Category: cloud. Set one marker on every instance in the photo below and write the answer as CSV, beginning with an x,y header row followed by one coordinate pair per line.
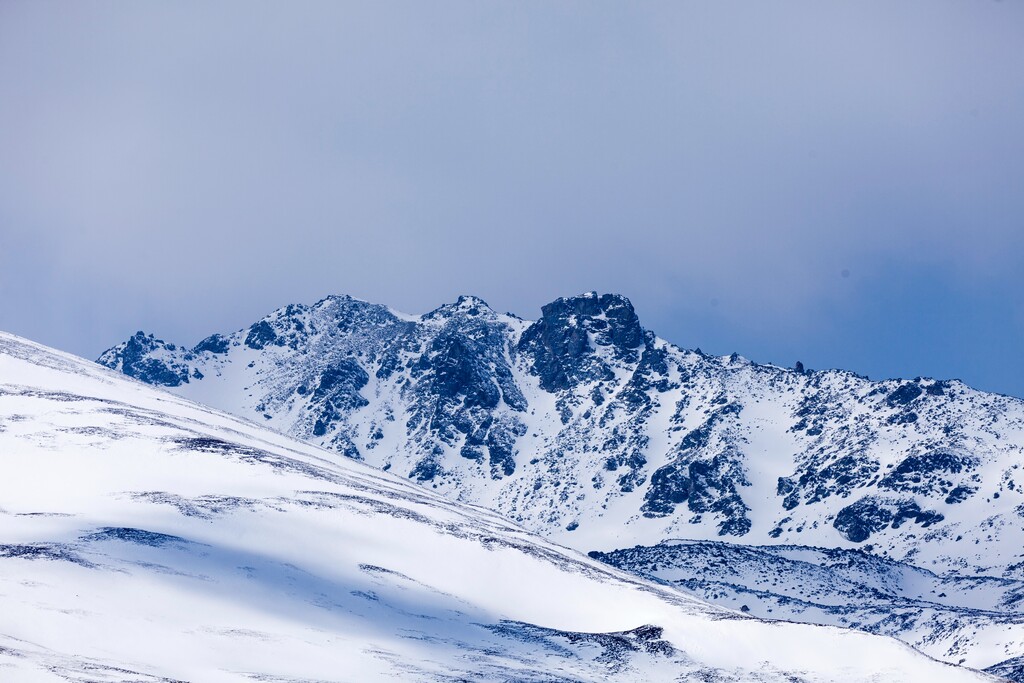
x,y
195,166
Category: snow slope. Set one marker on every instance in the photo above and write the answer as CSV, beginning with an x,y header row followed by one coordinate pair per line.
x,y
976,621
147,538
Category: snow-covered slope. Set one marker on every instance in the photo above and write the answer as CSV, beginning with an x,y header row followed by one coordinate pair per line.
x,y
146,538
976,621
587,428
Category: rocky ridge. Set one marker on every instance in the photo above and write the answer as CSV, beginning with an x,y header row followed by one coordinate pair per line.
x,y
590,429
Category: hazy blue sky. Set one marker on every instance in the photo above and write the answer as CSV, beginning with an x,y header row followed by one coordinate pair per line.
x,y
836,182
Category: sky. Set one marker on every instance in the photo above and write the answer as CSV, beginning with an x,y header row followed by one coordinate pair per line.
x,y
838,183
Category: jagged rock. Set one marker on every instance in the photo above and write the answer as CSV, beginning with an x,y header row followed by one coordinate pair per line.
x,y
215,343
559,344
870,514
261,335
150,360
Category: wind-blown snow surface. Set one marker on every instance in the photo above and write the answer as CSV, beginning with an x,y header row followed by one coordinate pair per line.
x,y
146,538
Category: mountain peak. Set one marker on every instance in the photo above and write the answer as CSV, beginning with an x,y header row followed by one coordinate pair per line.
x,y
470,300
464,305
149,359
610,316
564,343
340,299
593,299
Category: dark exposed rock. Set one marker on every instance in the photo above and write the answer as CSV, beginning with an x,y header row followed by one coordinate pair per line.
x,y
337,394
670,486
846,472
928,473
705,476
501,446
714,489
871,514
425,470
651,374
132,535
904,394
960,494
261,335
340,384
215,343
1011,669
140,357
614,647
559,343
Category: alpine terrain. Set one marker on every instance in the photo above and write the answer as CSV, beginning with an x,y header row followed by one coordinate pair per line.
x,y
592,431
147,538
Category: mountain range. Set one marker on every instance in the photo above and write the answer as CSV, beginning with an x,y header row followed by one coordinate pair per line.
x,y
150,539
588,429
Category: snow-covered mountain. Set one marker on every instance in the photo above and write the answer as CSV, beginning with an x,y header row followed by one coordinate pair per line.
x,y
593,431
975,621
146,538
